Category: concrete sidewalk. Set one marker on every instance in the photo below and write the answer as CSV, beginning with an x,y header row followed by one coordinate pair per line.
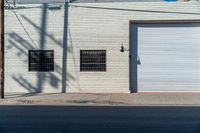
x,y
136,99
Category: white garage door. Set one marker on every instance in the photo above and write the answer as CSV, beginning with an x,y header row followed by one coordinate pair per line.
x,y
168,57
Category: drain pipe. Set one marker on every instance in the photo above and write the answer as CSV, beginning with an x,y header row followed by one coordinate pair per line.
x,y
2,49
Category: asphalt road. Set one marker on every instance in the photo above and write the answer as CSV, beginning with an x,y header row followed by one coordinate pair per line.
x,y
95,119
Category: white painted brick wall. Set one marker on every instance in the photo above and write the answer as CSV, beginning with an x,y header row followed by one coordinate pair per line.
x,y
104,26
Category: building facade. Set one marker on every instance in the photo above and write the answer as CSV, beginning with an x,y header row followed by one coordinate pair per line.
x,y
103,47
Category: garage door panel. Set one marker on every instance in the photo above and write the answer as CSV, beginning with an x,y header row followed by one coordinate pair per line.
x,y
170,88
169,56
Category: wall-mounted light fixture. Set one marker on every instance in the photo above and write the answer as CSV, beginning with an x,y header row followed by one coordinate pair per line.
x,y
123,48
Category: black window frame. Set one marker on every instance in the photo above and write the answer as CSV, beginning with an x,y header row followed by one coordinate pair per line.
x,y
41,61
101,62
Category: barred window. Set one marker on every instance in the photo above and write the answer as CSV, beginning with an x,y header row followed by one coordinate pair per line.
x,y
41,60
93,60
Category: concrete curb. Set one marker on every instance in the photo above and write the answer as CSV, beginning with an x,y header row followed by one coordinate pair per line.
x,y
60,99
140,99
58,102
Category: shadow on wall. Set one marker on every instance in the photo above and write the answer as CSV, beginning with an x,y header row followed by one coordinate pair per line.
x,y
16,41
138,10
